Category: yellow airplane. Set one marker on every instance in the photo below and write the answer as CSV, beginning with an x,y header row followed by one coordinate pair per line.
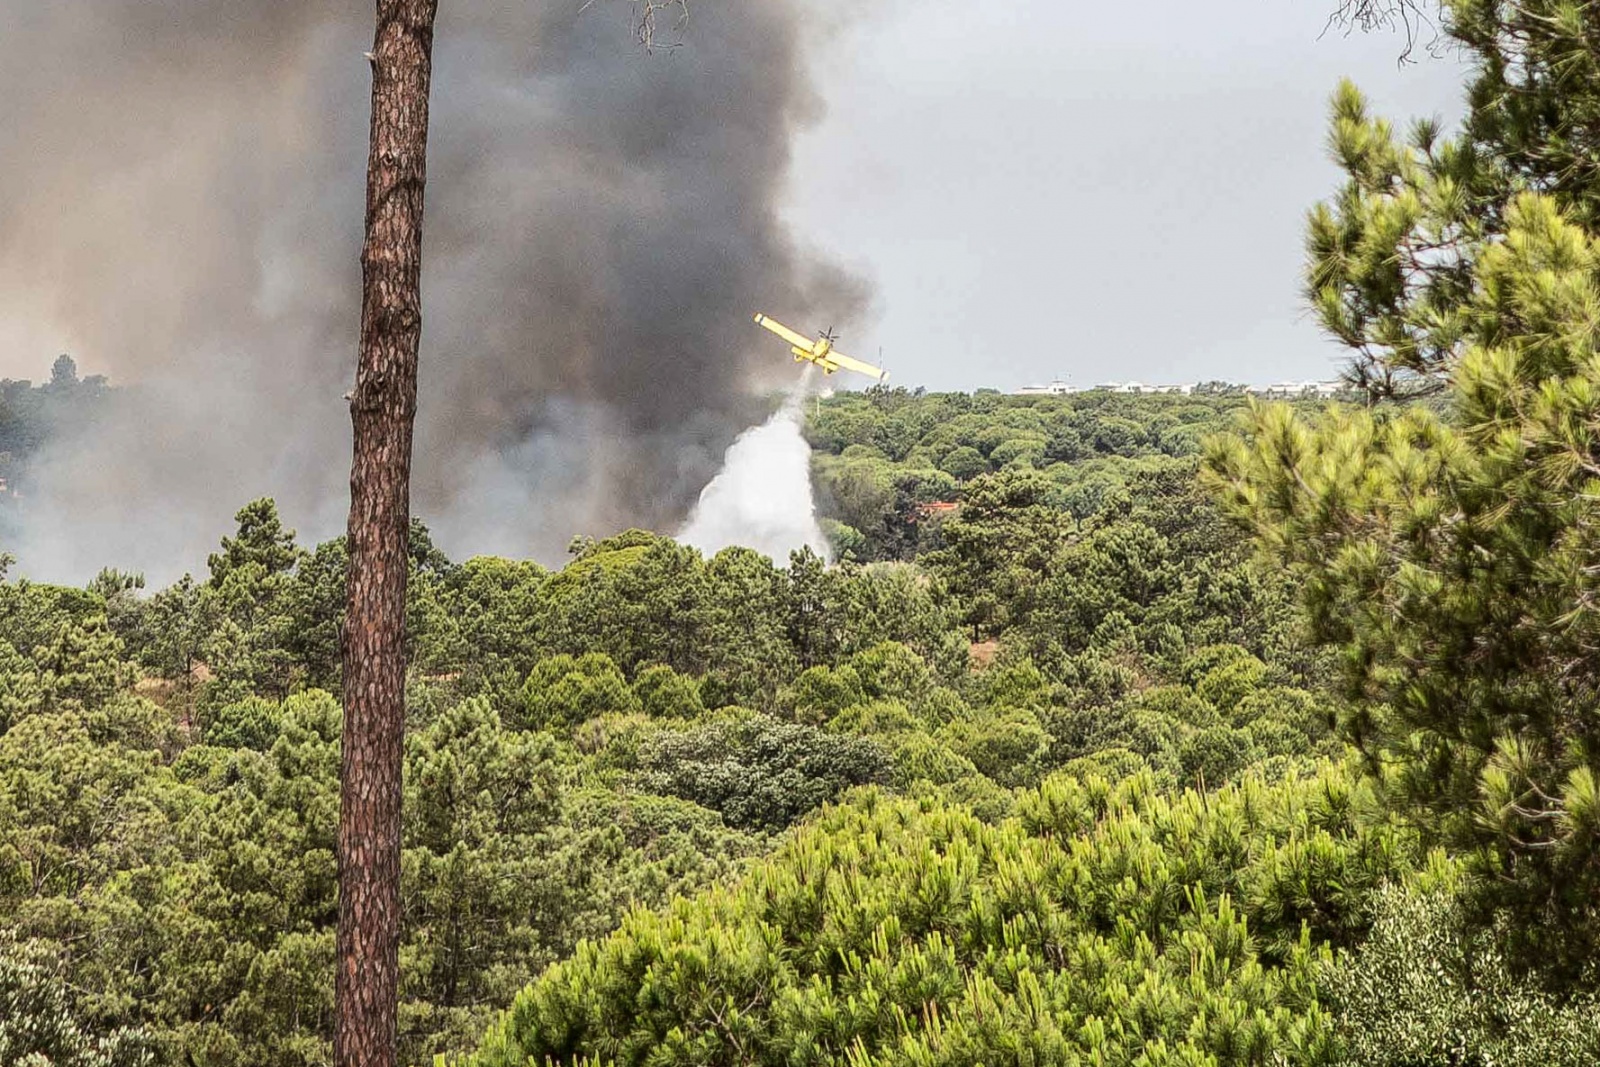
x,y
821,351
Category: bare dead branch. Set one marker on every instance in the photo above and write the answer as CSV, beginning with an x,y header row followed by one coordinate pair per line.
x,y
1411,17
648,16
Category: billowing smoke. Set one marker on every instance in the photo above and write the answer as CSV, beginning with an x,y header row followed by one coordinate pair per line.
x,y
180,208
762,496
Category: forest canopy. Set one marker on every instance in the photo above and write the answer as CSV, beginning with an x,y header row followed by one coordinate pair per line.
x,y
615,734
1089,726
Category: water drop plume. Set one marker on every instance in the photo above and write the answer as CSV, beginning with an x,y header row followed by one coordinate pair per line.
x,y
762,497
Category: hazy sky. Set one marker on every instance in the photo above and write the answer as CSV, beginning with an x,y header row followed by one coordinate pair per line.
x,y
1090,191
1038,189
1028,189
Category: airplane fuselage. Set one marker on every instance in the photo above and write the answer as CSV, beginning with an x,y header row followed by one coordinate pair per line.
x,y
820,358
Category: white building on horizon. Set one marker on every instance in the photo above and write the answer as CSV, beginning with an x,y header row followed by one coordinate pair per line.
x,y
1319,389
1141,387
1055,388
1307,388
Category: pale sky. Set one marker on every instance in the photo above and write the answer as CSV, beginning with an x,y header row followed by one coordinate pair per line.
x,y
1095,192
1033,188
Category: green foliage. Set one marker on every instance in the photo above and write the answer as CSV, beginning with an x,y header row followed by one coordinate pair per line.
x,y
1105,819
1449,562
38,1027
33,615
1396,256
821,693
663,693
261,541
1445,551
760,773
1104,923
492,637
647,721
20,690
480,895
562,767
996,548
1084,535
562,692
83,665
250,723
1430,988
883,456
219,864
1007,744
964,463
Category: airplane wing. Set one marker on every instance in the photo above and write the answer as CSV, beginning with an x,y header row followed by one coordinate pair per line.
x,y
784,332
856,365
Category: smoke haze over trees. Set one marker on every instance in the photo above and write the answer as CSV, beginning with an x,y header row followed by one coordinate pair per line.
x,y
601,223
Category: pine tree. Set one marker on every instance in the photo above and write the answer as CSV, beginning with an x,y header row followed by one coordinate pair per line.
x,y
1450,554
383,409
261,539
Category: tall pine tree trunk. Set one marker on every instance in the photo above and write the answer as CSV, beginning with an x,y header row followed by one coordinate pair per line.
x,y
383,409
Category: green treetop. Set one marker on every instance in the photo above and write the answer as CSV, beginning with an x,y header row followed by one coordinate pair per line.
x,y
1393,257
261,539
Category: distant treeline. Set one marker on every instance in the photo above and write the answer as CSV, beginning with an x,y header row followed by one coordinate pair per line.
x,y
885,455
32,415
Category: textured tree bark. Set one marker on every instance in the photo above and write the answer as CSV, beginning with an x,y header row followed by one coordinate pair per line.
x,y
383,410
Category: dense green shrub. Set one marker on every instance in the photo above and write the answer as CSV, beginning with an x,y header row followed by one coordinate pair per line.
x,y
563,691
1104,924
663,693
759,772
38,1025
1431,988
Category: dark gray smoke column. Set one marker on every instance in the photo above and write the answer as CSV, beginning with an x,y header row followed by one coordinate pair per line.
x,y
180,186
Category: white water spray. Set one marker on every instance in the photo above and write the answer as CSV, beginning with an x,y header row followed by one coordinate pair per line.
x,y
762,497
